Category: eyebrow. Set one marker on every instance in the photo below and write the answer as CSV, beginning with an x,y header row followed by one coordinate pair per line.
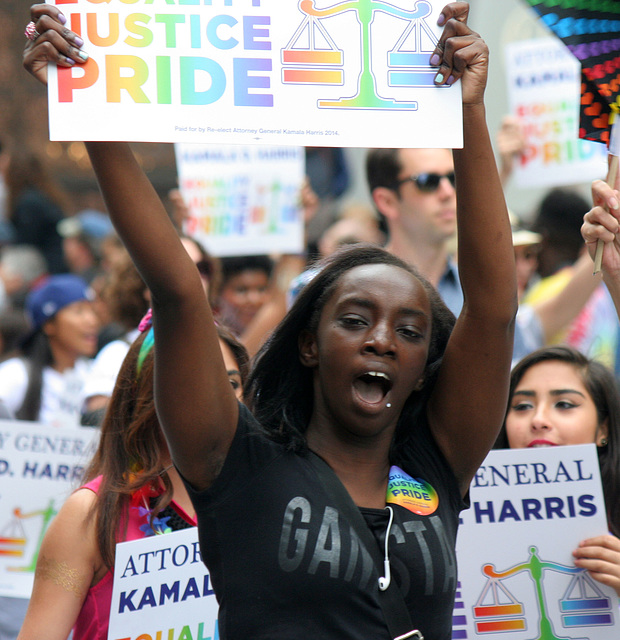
x,y
369,304
554,392
233,372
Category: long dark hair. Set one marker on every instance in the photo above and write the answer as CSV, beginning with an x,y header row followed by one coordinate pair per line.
x,y
601,384
36,354
131,451
280,389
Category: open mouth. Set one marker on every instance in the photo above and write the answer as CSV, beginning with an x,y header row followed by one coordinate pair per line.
x,y
372,386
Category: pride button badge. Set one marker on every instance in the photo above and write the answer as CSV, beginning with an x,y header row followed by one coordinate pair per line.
x,y
414,494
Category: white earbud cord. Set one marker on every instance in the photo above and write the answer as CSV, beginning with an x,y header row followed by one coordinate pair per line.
x,y
384,581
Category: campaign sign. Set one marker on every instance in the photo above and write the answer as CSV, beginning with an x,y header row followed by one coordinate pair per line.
x,y
39,467
544,81
243,200
296,72
162,590
530,508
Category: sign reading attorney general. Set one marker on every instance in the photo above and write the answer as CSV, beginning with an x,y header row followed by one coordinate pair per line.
x,y
530,508
300,72
39,467
162,590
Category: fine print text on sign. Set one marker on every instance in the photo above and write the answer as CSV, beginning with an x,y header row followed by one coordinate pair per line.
x,y
308,73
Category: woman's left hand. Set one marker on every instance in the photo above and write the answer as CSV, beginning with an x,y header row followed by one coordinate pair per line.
x,y
600,556
461,54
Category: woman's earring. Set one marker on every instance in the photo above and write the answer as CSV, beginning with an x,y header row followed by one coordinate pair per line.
x,y
604,442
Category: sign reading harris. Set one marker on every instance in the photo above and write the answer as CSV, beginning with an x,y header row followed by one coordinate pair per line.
x,y
544,81
243,199
295,72
530,508
162,590
39,467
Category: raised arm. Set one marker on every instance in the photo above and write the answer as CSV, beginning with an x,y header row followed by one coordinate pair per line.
x,y
195,403
557,312
468,403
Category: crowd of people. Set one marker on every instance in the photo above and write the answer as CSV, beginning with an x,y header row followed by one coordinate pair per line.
x,y
255,389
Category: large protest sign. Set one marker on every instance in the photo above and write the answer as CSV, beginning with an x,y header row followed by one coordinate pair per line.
x,y
162,590
530,508
243,200
39,467
544,93
313,73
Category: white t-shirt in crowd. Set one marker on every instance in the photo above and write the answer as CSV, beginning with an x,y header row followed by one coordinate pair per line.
x,y
107,364
62,394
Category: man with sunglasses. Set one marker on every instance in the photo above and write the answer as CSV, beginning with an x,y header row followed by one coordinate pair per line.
x,y
414,191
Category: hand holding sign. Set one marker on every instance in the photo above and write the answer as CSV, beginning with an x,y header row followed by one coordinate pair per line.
x,y
55,43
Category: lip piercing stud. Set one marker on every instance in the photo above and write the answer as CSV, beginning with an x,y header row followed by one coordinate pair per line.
x,y
388,405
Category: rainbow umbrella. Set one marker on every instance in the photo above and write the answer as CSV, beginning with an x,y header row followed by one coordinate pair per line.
x,y
591,31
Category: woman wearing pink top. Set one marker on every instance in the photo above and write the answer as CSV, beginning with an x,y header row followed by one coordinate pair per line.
x,y
131,491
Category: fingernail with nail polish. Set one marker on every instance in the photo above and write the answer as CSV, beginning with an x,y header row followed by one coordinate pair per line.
x,y
441,19
78,42
434,61
83,55
450,79
439,78
62,19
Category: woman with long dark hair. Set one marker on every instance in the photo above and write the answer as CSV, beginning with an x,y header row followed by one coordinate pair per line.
x,y
362,388
44,380
131,490
558,396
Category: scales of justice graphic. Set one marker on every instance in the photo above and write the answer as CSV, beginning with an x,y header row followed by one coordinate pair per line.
x,y
582,605
312,57
13,538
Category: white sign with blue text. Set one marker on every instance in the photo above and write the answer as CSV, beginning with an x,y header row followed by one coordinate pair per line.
x,y
39,467
530,508
162,590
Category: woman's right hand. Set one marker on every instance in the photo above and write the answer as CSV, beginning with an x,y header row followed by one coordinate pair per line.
x,y
55,43
602,222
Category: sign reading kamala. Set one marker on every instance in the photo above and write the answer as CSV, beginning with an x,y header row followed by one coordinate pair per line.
x,y
300,72
162,590
39,467
243,199
530,508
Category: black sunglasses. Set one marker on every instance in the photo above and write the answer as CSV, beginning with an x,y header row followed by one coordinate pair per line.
x,y
204,268
429,182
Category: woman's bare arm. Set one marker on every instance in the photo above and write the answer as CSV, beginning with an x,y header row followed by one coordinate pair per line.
x,y
195,403
469,401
